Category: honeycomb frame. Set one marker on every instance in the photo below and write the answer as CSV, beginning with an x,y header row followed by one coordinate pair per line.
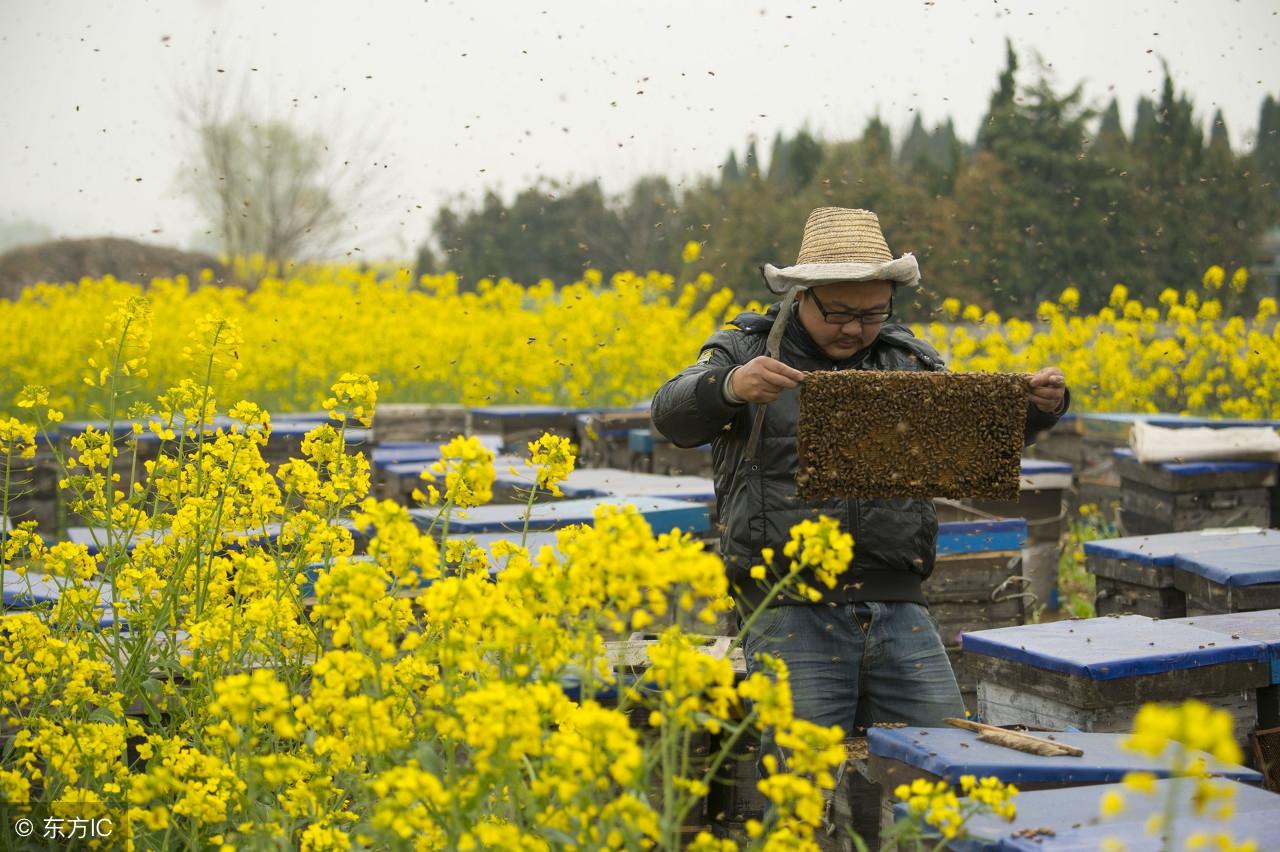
x,y
906,434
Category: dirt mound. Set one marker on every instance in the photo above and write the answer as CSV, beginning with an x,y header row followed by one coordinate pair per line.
x,y
70,260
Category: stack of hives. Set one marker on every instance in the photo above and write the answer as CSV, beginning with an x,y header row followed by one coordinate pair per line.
x,y
976,583
1098,481
1172,497
651,452
1042,502
1140,574
733,797
132,453
1095,674
33,489
402,422
603,437
517,425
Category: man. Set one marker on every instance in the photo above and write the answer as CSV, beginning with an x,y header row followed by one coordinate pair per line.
x,y
868,651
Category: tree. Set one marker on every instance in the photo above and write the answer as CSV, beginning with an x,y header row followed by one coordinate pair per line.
x,y
1110,142
549,231
268,187
730,173
805,154
780,161
1048,193
751,164
914,152
1267,148
1002,100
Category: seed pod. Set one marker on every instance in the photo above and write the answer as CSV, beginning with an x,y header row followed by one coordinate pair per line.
x,y
865,433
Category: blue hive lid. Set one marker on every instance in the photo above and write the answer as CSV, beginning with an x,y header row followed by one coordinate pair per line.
x,y
625,484
981,536
120,430
34,588
1072,815
1162,549
662,514
1036,466
640,441
504,412
1203,468
1262,625
1110,648
1235,567
950,753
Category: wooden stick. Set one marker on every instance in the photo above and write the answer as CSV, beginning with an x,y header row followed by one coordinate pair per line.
x,y
1016,740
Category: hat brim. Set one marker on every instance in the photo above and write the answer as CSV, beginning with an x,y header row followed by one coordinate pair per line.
x,y
904,270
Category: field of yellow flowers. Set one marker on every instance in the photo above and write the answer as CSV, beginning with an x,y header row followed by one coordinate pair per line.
x,y
200,681
224,671
603,342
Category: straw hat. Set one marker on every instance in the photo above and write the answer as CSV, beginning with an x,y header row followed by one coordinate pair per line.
x,y
840,244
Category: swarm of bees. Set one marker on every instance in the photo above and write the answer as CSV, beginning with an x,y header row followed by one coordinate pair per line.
x,y
866,433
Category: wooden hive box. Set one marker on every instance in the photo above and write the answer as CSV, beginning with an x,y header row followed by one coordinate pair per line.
x,y
901,755
1094,674
662,514
395,422
670,460
602,436
855,803
629,658
1259,626
1042,501
1101,434
1063,442
148,448
1135,575
976,583
733,798
517,425
288,431
1171,497
33,489
1230,580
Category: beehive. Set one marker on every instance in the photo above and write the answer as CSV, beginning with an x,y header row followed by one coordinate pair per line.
x,y
1261,626
908,434
520,424
407,421
1176,496
1136,574
603,436
902,755
33,489
1094,674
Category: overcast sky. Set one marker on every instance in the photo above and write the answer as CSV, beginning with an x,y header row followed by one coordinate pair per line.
x,y
446,99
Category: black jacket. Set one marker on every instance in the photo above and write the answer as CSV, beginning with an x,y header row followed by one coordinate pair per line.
x,y
894,540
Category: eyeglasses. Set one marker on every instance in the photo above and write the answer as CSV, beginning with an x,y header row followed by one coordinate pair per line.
x,y
842,317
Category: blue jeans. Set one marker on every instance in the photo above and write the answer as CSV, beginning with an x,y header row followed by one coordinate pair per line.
x,y
858,664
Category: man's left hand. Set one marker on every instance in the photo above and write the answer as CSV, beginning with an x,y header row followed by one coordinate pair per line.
x,y
1048,387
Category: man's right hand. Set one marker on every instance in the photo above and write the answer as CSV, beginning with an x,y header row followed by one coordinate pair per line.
x,y
761,379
